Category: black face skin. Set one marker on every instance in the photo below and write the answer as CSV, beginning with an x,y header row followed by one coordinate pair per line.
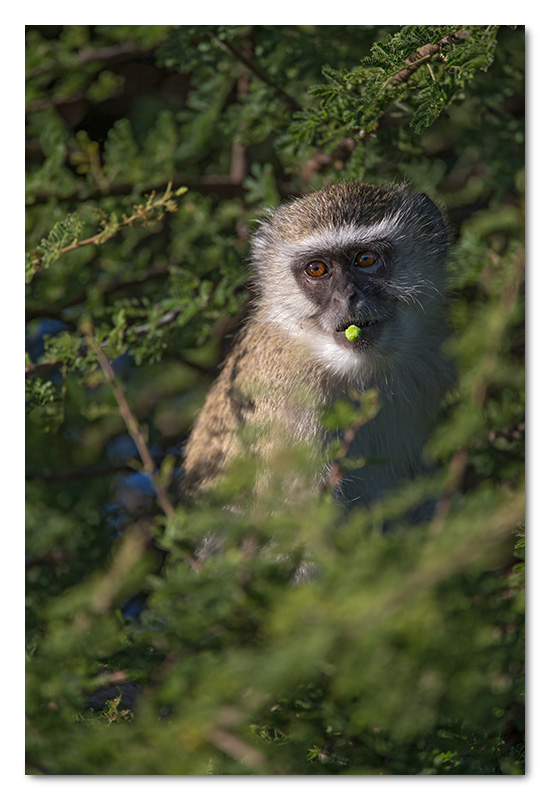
x,y
349,289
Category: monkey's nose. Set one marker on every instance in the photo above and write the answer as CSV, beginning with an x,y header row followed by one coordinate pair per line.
x,y
344,297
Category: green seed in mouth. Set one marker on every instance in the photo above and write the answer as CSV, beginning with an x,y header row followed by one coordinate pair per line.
x,y
352,333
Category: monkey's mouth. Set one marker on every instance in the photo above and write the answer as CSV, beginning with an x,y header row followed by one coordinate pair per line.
x,y
370,330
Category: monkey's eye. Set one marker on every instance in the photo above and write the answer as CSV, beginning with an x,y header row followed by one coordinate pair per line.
x,y
317,269
368,261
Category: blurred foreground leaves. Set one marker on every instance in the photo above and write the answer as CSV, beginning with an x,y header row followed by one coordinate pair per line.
x,y
405,654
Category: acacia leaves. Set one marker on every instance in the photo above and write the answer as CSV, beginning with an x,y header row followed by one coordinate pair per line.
x,y
413,75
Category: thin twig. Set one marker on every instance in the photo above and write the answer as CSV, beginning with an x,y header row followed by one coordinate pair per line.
x,y
238,749
102,289
132,547
219,185
129,420
457,470
239,157
140,213
45,366
229,48
459,462
320,160
337,472
79,473
140,330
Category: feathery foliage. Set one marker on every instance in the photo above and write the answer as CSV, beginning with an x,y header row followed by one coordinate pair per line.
x,y
151,152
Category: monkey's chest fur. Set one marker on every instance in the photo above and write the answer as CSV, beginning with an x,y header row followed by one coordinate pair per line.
x,y
270,395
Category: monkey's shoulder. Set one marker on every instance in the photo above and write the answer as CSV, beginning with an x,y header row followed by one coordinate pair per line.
x,y
265,360
256,388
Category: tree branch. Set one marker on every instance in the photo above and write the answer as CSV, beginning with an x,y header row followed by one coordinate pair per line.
x,y
425,54
479,392
79,473
46,366
238,749
37,369
219,185
229,48
337,472
129,419
141,214
317,162
103,289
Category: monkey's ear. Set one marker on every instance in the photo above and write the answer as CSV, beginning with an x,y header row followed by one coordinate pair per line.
x,y
428,206
434,213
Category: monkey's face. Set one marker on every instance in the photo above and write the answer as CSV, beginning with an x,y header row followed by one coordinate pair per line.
x,y
348,287
353,254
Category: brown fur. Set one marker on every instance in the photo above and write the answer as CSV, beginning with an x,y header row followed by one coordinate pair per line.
x,y
286,366
262,374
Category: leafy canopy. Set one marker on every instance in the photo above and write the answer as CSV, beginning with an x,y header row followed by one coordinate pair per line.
x,y
152,151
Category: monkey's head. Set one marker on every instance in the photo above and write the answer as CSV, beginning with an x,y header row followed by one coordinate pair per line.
x,y
353,254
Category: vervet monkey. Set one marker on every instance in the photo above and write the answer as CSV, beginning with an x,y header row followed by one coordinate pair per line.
x,y
348,255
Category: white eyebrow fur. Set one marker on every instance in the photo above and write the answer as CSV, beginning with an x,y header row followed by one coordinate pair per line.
x,y
344,237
